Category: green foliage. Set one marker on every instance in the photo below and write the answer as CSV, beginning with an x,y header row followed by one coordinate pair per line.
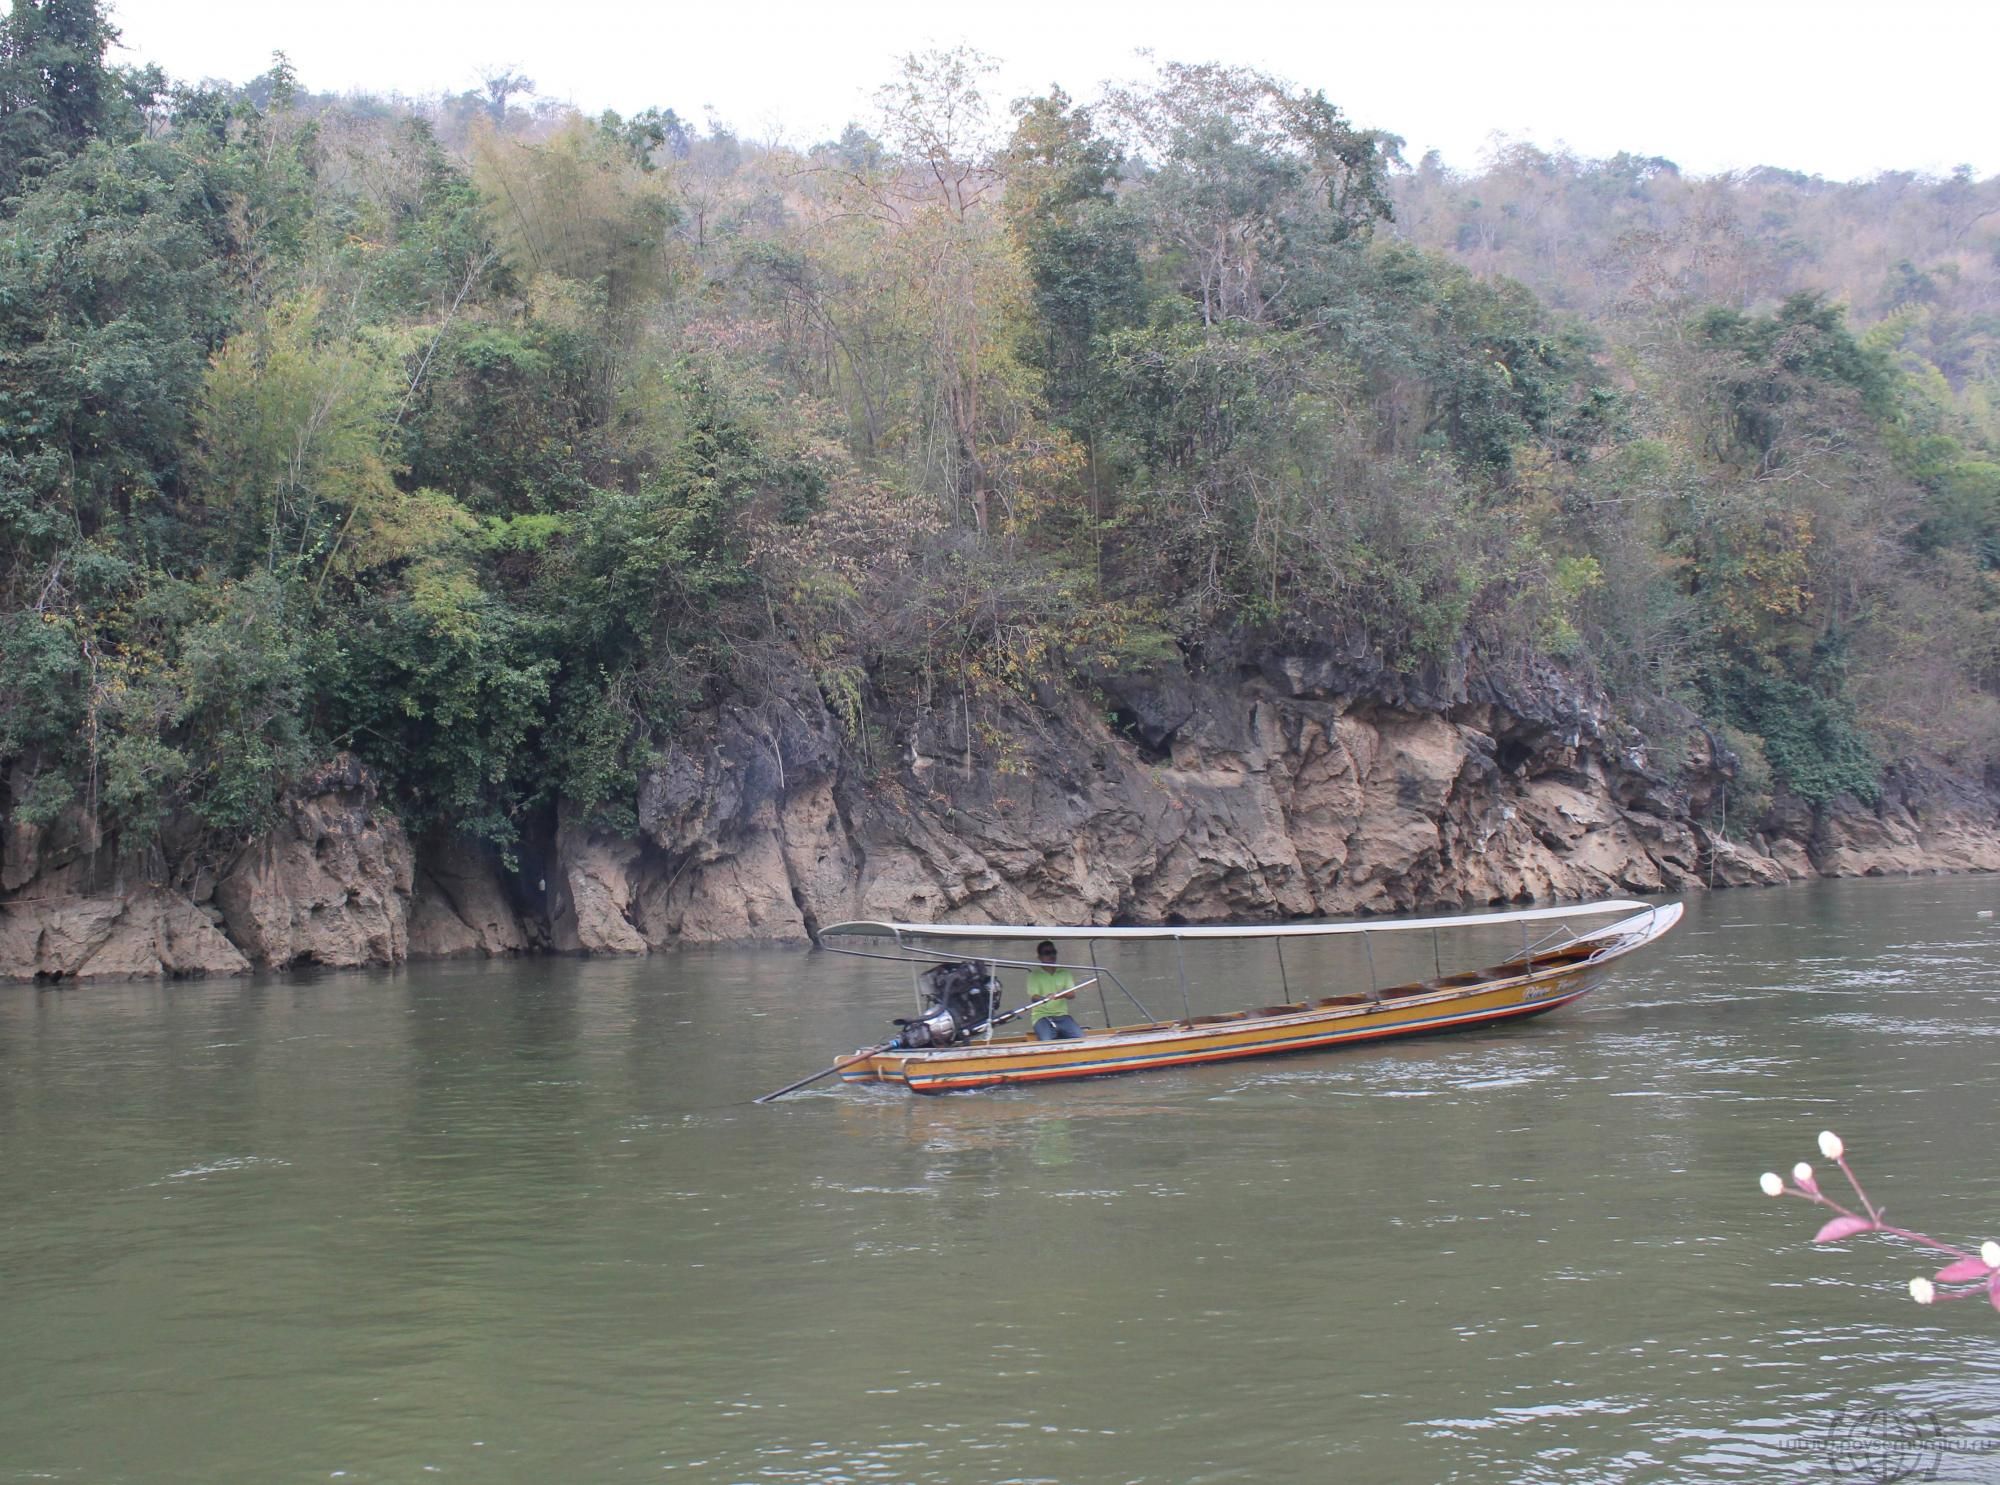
x,y
42,677
1750,789
1082,249
1780,369
141,774
510,418
1810,738
503,474
237,711
531,533
432,247
650,137
111,292
590,751
1570,580
189,700
1488,370
1253,185
56,94
578,206
44,798
1965,509
648,568
295,427
442,689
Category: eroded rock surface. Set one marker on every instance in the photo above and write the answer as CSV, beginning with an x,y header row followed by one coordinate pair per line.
x,y
147,935
1298,786
1308,789
1924,822
460,905
330,885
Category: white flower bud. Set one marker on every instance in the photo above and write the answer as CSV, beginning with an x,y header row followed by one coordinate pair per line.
x,y
1772,1185
1989,1254
1923,1291
1802,1173
1830,1145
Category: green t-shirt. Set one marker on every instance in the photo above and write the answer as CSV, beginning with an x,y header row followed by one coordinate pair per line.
x,y
1048,982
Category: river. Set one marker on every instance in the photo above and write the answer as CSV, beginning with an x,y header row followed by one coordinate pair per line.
x,y
518,1222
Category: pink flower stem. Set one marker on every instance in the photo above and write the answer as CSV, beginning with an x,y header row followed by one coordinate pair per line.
x,y
1848,1171
1874,1217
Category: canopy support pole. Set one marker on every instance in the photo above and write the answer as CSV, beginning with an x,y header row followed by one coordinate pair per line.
x,y
1374,990
1103,1004
916,973
1437,955
1283,979
1180,963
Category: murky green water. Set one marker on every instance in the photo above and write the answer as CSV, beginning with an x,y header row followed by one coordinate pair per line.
x,y
518,1223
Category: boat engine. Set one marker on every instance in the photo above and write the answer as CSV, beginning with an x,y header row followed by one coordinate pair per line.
x,y
958,998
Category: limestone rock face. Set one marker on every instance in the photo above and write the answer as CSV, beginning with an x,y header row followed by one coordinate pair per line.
x,y
65,858
1733,865
741,893
20,854
590,906
1268,786
1924,822
744,841
459,907
330,885
1309,788
151,934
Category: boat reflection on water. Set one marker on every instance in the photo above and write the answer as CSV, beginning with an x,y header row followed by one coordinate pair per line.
x,y
959,1125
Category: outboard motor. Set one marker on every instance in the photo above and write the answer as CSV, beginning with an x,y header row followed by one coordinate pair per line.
x,y
958,999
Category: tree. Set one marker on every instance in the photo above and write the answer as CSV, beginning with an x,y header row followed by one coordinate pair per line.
x,y
1246,175
295,427
936,117
650,136
1081,247
56,94
910,277
112,291
502,85
577,206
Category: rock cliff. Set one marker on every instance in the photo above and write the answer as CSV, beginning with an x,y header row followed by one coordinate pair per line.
x,y
1301,786
1282,786
330,885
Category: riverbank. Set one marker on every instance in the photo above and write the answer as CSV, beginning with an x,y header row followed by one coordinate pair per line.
x,y
1300,785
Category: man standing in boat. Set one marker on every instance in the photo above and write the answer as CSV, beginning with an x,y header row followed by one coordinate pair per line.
x,y
1053,1022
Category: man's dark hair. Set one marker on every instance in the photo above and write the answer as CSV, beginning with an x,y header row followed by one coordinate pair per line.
x,y
1045,947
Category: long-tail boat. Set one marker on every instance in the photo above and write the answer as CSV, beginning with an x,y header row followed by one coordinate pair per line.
x,y
953,1041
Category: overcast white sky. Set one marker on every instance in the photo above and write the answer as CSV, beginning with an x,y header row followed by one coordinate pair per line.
x,y
1837,88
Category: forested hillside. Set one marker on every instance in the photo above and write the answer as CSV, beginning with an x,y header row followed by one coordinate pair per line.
x,y
494,445
1898,279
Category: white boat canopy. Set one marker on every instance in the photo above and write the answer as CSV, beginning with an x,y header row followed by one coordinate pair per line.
x,y
1013,931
